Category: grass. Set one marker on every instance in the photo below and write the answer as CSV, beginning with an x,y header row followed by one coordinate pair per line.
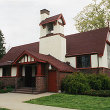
x,y
82,102
3,109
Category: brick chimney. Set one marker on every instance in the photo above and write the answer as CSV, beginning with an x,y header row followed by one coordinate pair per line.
x,y
44,14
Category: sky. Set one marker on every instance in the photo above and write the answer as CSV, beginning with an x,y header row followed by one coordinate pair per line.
x,y
19,19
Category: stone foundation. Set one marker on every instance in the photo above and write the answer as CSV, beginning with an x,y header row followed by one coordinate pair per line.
x,y
8,81
95,70
41,83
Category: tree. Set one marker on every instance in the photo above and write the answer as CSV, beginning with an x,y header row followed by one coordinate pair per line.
x,y
93,16
2,47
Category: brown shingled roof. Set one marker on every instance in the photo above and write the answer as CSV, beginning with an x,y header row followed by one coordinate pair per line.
x,y
61,66
14,52
33,49
87,42
52,19
77,44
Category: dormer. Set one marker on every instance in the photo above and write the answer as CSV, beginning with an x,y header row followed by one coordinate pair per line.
x,y
52,25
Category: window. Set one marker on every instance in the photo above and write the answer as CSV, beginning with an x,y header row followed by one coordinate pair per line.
x,y
7,71
50,27
83,61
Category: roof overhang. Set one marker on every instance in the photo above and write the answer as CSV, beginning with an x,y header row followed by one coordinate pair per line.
x,y
29,54
46,21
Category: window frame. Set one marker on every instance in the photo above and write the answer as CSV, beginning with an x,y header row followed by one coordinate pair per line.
x,y
81,58
5,73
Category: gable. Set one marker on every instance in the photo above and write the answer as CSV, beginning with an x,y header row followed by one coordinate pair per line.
x,y
15,52
87,42
26,59
53,19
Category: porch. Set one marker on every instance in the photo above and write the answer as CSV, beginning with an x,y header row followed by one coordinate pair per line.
x,y
31,78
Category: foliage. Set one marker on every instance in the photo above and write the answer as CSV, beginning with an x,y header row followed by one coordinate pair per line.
x,y
75,84
80,102
93,16
2,47
99,82
100,93
79,83
4,109
6,89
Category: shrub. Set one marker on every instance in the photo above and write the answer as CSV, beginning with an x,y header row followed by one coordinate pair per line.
x,y
75,84
99,82
6,89
100,93
79,83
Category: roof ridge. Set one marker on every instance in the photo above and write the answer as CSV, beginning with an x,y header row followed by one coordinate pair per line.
x,y
53,16
88,31
25,44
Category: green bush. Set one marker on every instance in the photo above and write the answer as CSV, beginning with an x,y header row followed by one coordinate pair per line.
x,y
79,83
75,84
100,93
6,89
99,81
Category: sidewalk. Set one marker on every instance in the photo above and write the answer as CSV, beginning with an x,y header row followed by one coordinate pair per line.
x,y
14,101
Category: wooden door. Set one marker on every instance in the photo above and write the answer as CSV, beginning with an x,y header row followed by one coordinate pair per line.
x,y
52,81
28,76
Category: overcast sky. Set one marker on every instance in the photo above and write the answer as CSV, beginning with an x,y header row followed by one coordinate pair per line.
x,y
19,19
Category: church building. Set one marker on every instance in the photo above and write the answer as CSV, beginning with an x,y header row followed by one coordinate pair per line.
x,y
41,66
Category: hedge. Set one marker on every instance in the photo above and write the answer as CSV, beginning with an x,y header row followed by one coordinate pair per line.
x,y
100,93
6,89
75,84
80,83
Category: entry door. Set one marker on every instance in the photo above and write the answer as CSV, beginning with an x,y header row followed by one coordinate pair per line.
x,y
52,81
28,76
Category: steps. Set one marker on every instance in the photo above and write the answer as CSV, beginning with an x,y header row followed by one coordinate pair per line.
x,y
26,90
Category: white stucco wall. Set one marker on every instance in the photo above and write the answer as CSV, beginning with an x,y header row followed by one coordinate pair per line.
x,y
108,55
44,16
29,58
13,71
72,61
58,29
25,57
108,36
1,71
43,31
53,45
103,60
94,60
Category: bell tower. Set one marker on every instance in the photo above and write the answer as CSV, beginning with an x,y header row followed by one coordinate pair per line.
x,y
52,39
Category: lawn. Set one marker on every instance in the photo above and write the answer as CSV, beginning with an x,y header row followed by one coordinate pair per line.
x,y
82,102
3,109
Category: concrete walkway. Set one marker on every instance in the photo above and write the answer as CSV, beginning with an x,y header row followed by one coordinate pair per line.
x,y
14,101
